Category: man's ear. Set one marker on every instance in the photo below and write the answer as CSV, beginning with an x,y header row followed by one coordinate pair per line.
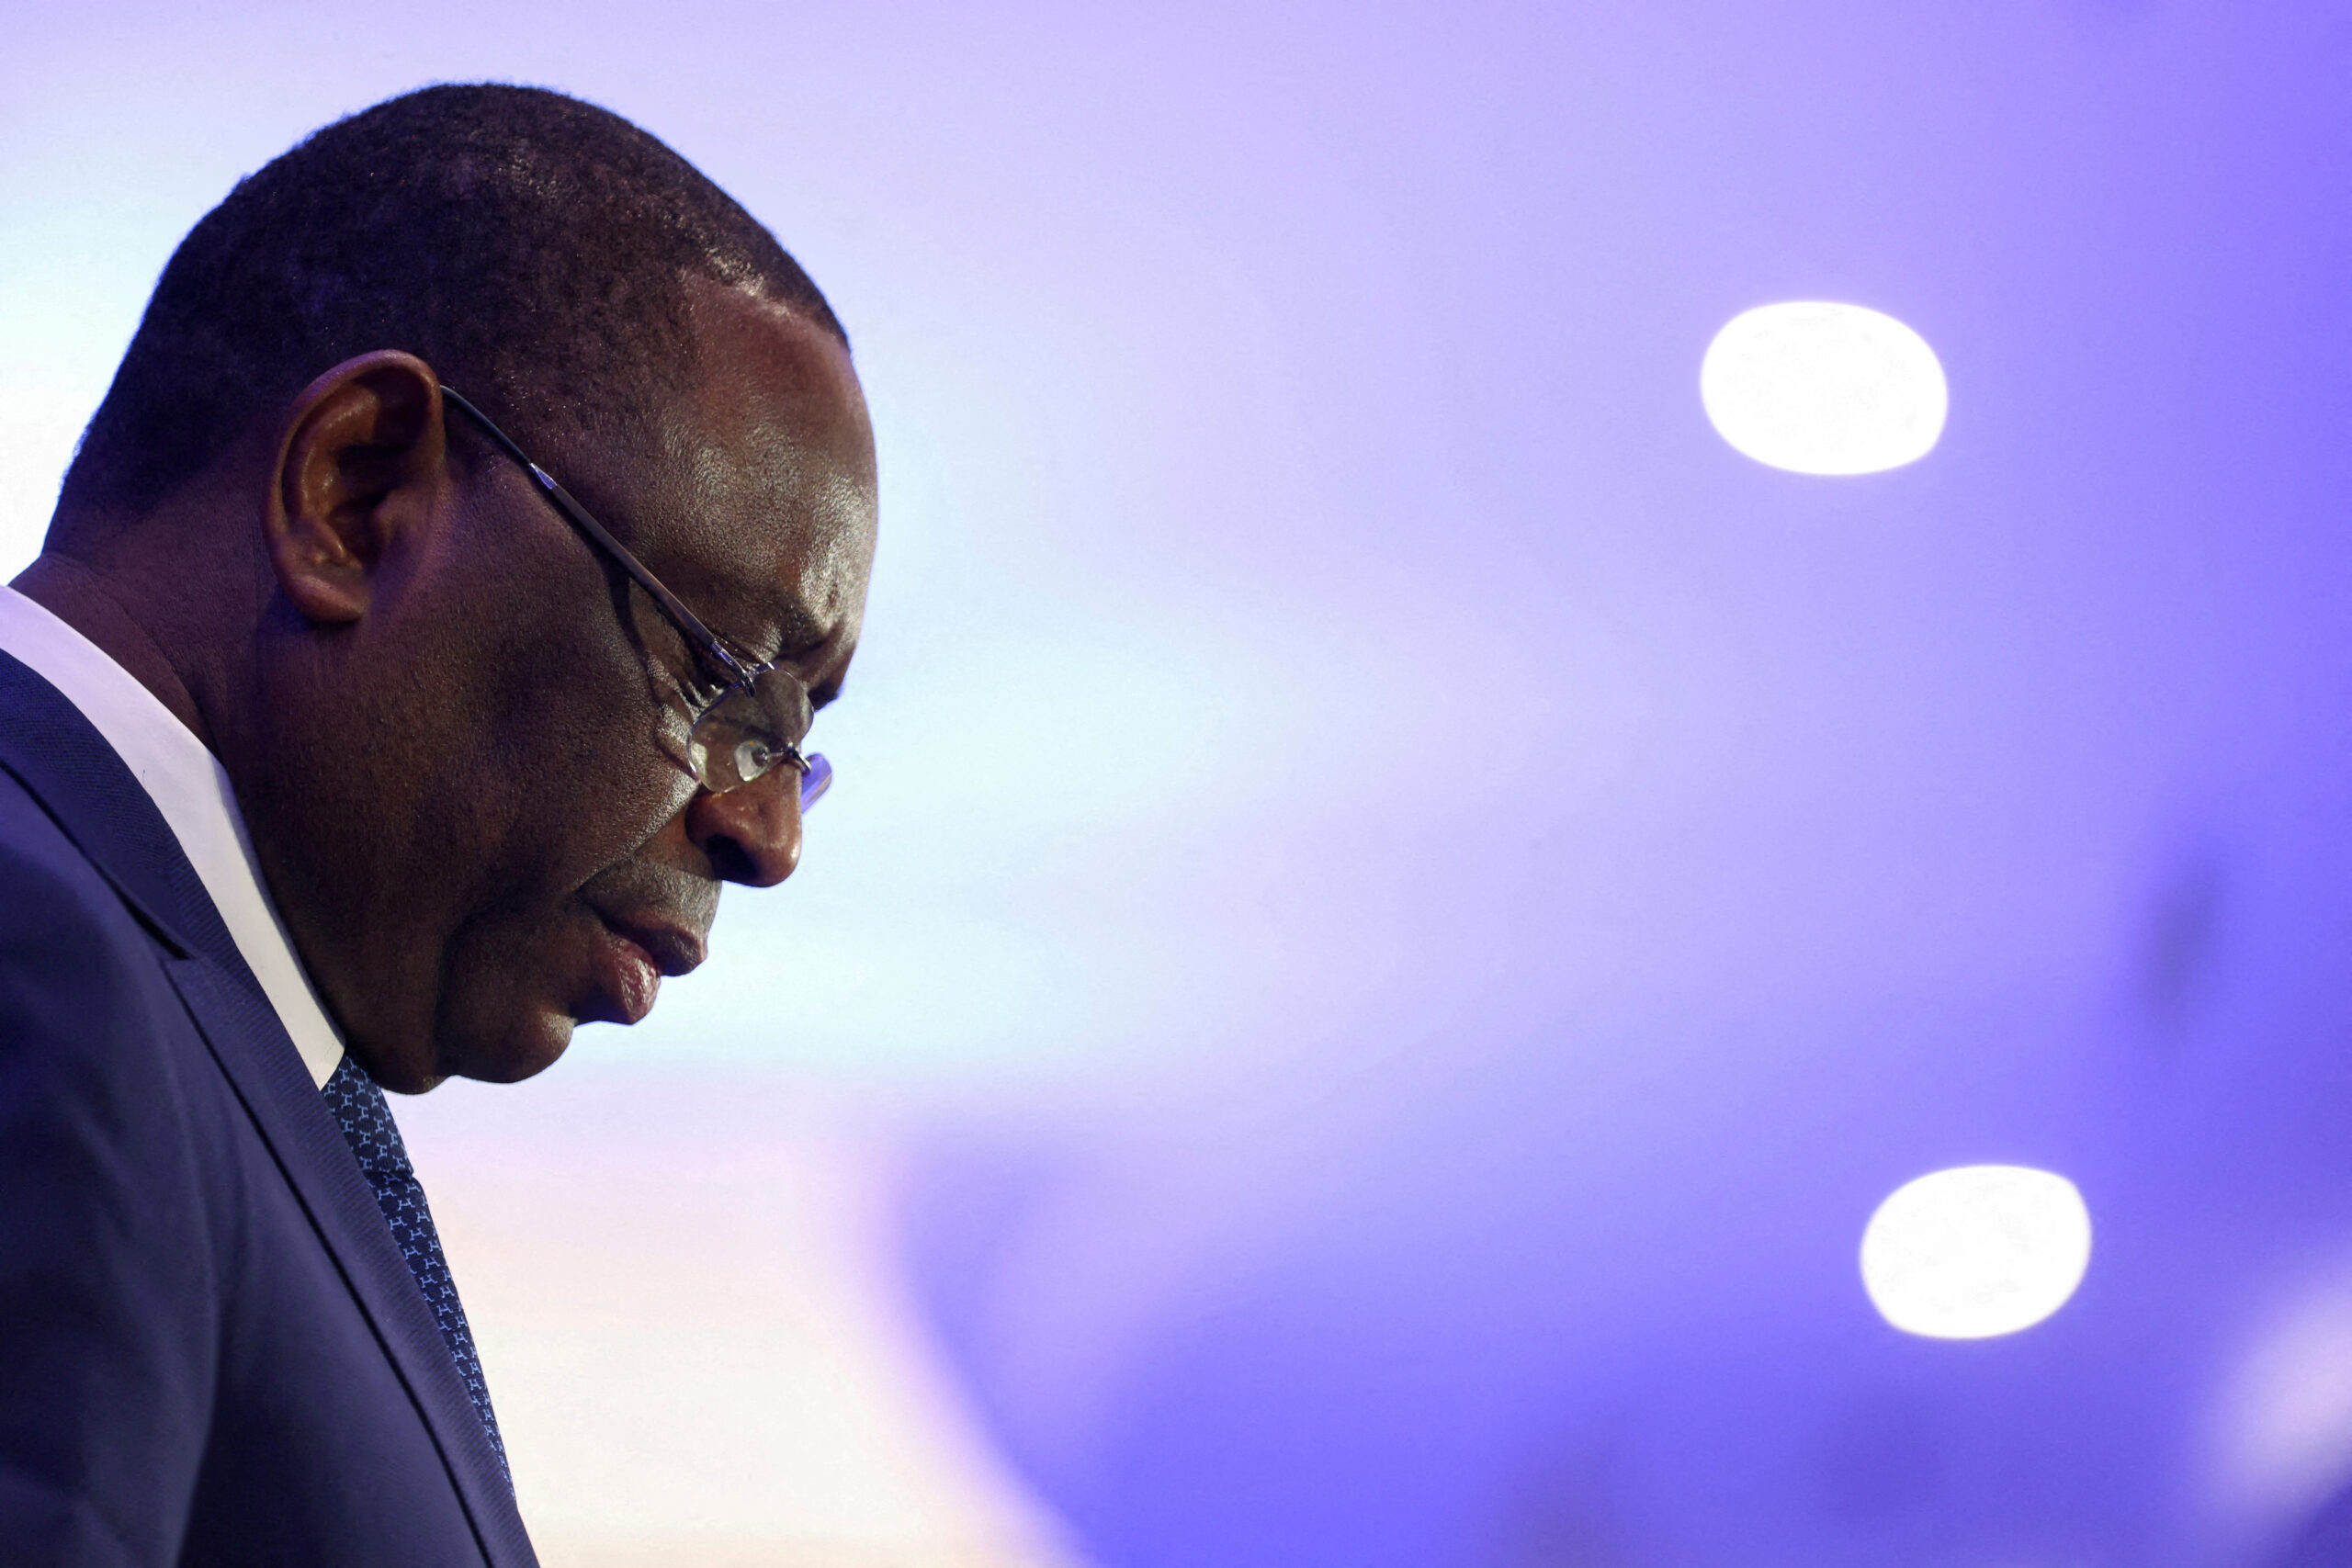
x,y
357,466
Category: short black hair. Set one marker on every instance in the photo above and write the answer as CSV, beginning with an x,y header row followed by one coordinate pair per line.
x,y
532,248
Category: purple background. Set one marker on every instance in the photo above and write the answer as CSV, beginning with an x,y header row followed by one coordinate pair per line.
x,y
1403,903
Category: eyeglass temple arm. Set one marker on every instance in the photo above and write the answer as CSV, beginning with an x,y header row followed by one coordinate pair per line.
x,y
579,517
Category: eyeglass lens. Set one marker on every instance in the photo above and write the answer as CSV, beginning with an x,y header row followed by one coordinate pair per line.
x,y
753,728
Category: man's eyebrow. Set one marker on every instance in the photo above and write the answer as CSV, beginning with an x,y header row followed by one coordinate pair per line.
x,y
798,631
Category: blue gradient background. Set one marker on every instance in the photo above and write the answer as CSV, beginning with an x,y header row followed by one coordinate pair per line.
x,y
1398,903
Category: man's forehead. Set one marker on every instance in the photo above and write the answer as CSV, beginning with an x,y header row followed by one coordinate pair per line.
x,y
759,360
773,509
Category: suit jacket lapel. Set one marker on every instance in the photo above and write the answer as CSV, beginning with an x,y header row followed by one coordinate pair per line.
x,y
64,762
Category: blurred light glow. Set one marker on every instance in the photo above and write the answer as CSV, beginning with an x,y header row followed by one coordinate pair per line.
x,y
1977,1251
1819,387
2282,1429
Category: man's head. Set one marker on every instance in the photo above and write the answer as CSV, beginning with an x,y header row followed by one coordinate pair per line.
x,y
454,727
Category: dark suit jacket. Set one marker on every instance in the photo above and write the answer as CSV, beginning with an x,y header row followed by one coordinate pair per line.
x,y
211,1349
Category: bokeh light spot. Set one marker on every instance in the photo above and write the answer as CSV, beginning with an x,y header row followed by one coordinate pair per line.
x,y
1977,1251
1824,389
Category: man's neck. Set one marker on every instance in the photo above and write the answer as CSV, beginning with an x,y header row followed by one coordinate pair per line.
x,y
86,600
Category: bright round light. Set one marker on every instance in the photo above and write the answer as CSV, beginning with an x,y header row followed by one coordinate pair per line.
x,y
1977,1251
1824,389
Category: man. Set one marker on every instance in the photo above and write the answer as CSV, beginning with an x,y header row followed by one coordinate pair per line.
x,y
431,621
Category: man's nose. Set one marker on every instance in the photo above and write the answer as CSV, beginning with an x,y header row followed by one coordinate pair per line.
x,y
751,835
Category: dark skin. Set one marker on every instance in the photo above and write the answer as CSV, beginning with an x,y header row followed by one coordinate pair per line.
x,y
454,731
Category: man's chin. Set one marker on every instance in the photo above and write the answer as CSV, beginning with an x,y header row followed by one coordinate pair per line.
x,y
528,1048
526,1053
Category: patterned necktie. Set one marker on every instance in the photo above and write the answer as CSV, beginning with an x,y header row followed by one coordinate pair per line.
x,y
367,1122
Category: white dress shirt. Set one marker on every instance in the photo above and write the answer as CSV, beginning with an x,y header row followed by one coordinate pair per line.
x,y
191,789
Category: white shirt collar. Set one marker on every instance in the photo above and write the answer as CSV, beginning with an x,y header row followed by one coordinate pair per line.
x,y
191,789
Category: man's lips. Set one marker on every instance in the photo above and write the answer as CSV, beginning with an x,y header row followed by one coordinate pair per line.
x,y
628,959
674,949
